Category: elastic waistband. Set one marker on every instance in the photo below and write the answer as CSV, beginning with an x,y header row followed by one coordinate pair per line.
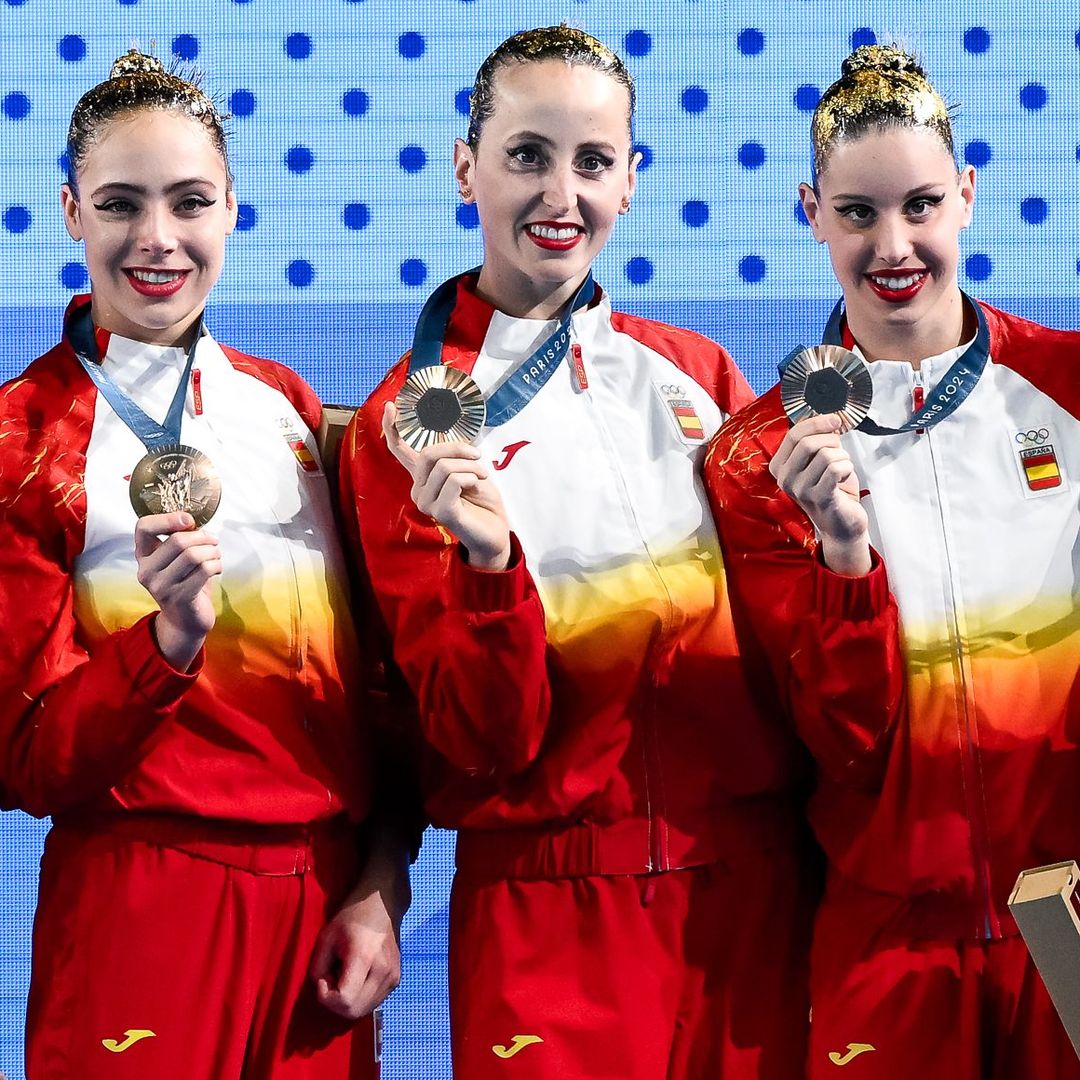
x,y
270,850
732,834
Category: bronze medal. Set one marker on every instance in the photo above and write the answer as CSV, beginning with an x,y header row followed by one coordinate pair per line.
x,y
172,479
439,404
826,379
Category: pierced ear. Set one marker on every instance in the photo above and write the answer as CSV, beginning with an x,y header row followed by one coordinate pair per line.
x,y
464,164
811,208
967,194
70,206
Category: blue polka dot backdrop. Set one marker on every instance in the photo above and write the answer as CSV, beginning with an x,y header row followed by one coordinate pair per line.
x,y
343,119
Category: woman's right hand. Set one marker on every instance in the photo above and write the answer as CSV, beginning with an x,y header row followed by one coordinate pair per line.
x,y
177,572
452,485
814,469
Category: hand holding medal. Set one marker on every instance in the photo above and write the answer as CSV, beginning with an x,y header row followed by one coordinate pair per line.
x,y
453,485
825,391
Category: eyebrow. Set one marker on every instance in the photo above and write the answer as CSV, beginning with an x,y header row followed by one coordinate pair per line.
x,y
535,136
135,189
923,189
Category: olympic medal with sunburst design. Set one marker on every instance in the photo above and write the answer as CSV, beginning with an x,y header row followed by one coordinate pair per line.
x,y
827,379
439,404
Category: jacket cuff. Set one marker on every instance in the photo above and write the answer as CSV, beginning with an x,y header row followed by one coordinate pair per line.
x,y
489,590
152,677
854,598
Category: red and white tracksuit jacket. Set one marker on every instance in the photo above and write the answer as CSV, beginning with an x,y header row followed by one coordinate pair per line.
x,y
586,711
266,729
957,764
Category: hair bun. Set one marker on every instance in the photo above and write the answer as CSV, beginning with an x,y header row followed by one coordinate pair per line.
x,y
882,58
134,62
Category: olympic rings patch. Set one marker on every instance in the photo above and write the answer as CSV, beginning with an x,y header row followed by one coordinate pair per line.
x,y
1032,437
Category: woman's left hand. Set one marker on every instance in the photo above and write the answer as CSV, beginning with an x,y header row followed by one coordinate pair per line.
x,y
357,957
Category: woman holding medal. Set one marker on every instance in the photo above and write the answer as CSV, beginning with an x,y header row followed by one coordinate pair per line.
x,y
631,897
959,769
185,707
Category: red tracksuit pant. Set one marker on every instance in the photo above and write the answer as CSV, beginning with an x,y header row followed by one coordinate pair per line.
x,y
887,1006
696,974
188,962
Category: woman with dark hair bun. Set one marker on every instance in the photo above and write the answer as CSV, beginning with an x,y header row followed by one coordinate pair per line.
x,y
186,707
948,757
633,888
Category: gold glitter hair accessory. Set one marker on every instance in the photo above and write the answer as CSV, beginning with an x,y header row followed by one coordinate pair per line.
x,y
880,86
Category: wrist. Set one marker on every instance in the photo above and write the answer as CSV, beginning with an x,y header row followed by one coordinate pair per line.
x,y
849,558
179,647
480,559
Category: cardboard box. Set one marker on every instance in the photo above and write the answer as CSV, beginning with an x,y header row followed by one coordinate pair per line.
x,y
1045,906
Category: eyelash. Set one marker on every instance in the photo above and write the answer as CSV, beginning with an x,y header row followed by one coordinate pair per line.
x,y
849,212
515,153
118,207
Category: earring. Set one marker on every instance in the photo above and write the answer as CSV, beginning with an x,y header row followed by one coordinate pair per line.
x,y
466,193
625,208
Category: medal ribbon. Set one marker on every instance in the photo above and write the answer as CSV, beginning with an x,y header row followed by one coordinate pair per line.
x,y
80,335
526,380
952,389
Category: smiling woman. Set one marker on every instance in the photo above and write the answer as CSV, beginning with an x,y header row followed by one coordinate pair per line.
x,y
627,853
949,749
201,750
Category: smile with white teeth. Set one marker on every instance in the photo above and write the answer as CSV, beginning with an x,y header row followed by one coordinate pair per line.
x,y
898,283
546,232
155,277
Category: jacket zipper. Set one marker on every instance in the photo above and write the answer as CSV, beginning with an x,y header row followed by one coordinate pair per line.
x,y
971,771
658,858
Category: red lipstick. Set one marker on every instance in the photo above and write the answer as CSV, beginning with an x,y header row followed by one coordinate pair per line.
x,y
554,243
157,289
901,287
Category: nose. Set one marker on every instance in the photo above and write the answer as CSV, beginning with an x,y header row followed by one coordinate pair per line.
x,y
560,189
156,233
892,240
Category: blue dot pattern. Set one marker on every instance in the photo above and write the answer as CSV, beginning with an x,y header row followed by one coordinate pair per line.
x,y
695,99
356,216
413,273
807,97
16,219
73,276
637,43
355,102
1034,210
976,39
751,155
1033,96
412,158
864,35
695,213
247,217
298,46
185,46
752,268
300,273
978,267
751,41
978,153
412,45
639,270
461,100
16,105
71,48
241,103
299,159
468,217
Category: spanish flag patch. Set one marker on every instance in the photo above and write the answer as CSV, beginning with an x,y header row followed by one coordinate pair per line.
x,y
687,417
1041,468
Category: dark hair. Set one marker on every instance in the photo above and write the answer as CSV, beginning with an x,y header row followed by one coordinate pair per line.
x,y
543,43
880,86
139,82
